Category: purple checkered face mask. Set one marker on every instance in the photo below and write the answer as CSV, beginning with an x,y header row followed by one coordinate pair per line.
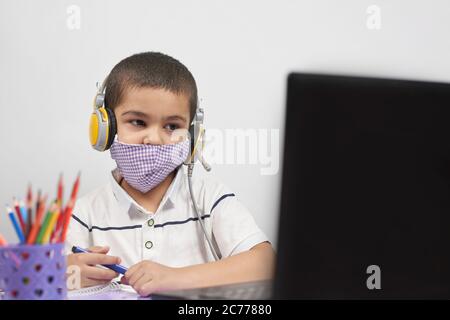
x,y
144,166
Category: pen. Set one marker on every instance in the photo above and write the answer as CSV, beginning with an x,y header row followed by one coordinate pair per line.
x,y
115,267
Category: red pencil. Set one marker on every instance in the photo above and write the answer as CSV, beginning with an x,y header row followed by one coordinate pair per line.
x,y
19,215
60,203
75,187
69,209
67,217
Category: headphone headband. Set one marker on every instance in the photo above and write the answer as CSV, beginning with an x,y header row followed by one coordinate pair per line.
x,y
100,96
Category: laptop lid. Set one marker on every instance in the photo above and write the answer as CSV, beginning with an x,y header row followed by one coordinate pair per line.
x,y
365,200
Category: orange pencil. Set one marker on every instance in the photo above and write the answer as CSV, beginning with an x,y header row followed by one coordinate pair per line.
x,y
37,222
2,241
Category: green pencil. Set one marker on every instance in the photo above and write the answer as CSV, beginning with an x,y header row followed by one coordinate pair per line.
x,y
45,224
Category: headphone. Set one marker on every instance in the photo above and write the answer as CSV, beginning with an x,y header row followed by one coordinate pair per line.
x,y
103,128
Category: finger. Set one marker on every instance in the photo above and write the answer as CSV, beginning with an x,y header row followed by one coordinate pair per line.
x,y
148,288
98,258
131,270
139,284
98,273
124,280
135,277
97,249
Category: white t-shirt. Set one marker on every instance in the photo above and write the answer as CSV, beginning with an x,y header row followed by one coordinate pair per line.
x,y
172,235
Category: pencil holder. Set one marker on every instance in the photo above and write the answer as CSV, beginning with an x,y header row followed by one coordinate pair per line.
x,y
33,272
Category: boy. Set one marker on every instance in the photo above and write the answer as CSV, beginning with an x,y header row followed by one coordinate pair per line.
x,y
144,218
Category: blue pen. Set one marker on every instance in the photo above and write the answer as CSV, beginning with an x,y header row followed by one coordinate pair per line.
x,y
115,267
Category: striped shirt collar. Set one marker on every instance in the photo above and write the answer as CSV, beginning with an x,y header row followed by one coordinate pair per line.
x,y
128,203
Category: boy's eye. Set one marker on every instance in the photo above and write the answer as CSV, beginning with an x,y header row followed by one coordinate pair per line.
x,y
137,123
171,127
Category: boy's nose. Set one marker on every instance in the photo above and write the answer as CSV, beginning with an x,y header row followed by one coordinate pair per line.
x,y
152,137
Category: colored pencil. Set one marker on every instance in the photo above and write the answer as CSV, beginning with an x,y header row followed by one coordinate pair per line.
x,y
75,187
67,217
37,222
38,201
59,222
57,228
60,190
24,213
45,224
29,208
19,214
69,209
15,225
3,241
50,226
60,194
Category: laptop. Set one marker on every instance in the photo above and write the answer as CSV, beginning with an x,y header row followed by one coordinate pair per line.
x,y
365,194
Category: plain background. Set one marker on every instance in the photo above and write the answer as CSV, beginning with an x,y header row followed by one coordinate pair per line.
x,y
240,53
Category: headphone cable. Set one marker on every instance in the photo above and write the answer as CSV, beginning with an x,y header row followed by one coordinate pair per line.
x,y
197,212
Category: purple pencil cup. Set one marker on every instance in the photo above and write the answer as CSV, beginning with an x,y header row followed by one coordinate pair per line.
x,y
33,272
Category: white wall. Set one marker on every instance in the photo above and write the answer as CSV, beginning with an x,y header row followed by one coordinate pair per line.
x,y
239,52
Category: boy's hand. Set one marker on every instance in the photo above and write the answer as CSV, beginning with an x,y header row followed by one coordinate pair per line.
x,y
147,277
92,275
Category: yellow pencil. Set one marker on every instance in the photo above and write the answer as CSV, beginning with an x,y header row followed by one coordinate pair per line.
x,y
51,224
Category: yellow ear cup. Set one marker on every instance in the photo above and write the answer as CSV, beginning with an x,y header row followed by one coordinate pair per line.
x,y
99,129
93,129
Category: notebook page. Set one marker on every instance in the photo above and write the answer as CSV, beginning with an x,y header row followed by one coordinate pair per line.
x,y
111,291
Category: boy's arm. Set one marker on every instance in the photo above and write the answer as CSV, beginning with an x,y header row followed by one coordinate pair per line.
x,y
257,263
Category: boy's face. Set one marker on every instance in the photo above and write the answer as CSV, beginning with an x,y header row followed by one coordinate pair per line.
x,y
151,116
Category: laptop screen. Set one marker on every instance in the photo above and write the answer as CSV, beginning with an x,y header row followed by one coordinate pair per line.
x,y
365,199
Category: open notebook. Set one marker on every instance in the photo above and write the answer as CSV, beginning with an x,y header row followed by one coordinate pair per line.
x,y
111,291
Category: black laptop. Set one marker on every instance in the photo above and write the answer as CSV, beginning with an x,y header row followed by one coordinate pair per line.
x,y
365,195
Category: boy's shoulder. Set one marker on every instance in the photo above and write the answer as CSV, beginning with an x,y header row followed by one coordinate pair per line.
x,y
210,189
93,199
206,180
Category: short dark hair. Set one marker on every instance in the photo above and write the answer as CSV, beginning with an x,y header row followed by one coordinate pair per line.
x,y
150,69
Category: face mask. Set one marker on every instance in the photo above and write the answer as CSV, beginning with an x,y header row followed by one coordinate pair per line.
x,y
144,166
